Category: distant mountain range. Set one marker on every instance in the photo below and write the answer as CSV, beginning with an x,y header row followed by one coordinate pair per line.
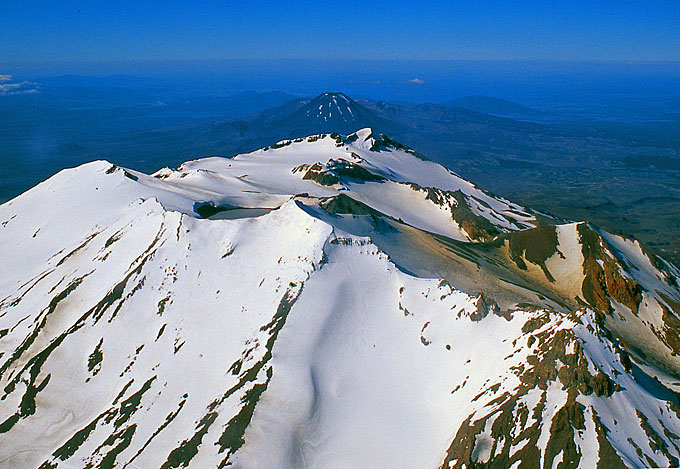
x,y
329,111
493,106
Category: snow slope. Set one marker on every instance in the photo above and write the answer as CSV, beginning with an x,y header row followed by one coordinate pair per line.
x,y
269,311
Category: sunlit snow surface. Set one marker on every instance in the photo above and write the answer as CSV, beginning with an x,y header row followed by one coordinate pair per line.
x,y
278,333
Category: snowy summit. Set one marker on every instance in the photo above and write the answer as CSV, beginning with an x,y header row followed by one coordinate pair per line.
x,y
328,301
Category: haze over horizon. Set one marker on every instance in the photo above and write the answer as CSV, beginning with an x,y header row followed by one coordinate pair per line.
x,y
385,50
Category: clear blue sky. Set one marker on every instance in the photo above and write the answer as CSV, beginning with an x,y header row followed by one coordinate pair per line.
x,y
34,32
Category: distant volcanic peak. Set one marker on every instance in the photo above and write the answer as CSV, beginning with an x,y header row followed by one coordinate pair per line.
x,y
326,113
330,96
336,106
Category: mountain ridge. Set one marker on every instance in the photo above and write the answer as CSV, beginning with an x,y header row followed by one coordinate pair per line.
x,y
303,116
493,106
326,302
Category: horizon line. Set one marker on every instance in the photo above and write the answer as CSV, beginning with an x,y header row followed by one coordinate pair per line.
x,y
341,59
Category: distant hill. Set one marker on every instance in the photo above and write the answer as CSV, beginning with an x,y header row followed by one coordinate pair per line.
x,y
494,106
327,113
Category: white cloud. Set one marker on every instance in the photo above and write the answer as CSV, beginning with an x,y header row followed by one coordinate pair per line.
x,y
22,87
415,81
9,87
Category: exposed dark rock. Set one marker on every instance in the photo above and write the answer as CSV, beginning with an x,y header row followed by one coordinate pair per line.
x,y
336,171
208,209
485,305
536,245
603,278
477,228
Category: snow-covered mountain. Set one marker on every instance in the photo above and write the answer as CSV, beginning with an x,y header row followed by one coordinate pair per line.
x,y
330,301
326,113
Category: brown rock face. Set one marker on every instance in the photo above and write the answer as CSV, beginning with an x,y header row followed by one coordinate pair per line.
x,y
557,354
477,228
536,245
604,279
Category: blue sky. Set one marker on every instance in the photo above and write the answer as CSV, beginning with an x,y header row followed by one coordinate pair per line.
x,y
36,32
